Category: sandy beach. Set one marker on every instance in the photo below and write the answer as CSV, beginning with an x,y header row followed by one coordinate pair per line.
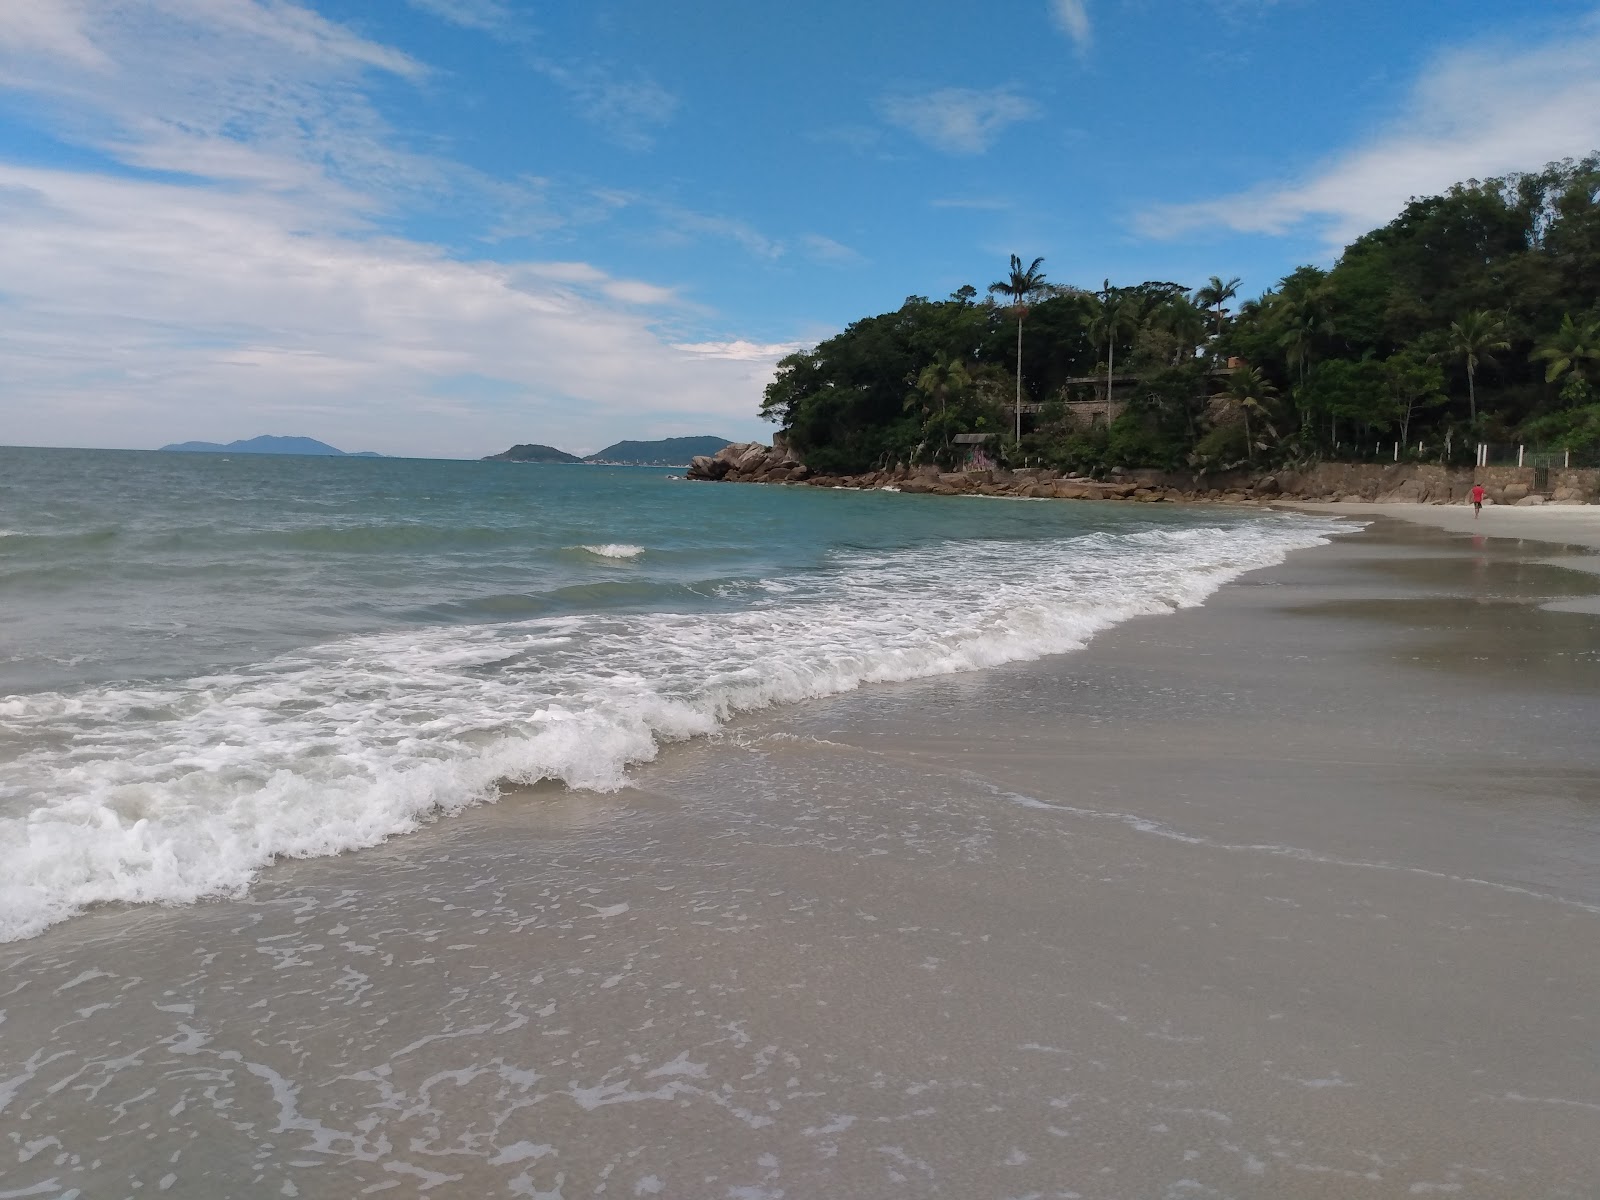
x,y
1295,895
1568,524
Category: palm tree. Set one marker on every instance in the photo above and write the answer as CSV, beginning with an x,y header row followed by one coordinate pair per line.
x,y
1306,319
1569,348
1114,317
1474,338
1184,320
1252,392
941,379
1020,286
1217,293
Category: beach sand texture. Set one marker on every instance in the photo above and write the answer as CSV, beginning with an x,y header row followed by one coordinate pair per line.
x,y
1293,895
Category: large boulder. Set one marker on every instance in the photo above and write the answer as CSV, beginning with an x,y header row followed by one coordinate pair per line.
x,y
705,466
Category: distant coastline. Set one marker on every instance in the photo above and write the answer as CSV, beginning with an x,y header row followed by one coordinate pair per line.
x,y
665,452
269,444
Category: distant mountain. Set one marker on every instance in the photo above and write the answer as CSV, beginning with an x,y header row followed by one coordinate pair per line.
x,y
266,444
532,452
668,452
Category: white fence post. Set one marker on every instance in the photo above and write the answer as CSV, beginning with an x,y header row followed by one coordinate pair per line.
x,y
1519,455
1397,452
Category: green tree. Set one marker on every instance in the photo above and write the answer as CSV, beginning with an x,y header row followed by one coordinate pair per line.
x,y
1215,294
1474,339
1114,317
1415,382
1251,392
941,380
1305,315
1569,348
1182,318
1020,287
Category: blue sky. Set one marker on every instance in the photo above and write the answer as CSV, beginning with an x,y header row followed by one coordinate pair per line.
x,y
441,226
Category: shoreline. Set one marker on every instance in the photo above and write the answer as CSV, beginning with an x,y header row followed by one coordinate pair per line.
x,y
1266,897
1353,483
1561,524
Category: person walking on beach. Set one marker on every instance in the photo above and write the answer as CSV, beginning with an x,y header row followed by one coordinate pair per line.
x,y
1477,500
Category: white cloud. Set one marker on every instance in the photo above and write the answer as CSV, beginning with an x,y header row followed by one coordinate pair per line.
x,y
958,120
486,15
252,290
50,28
629,110
1473,113
132,307
1073,18
741,351
682,224
823,249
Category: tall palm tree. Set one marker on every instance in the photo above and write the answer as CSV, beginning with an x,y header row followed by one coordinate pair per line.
x,y
1020,287
1114,317
1252,392
1567,349
1475,338
1216,293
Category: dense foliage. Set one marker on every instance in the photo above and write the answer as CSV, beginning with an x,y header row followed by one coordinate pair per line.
x,y
1472,316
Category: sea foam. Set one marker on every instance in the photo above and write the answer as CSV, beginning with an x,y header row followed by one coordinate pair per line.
x,y
174,790
614,550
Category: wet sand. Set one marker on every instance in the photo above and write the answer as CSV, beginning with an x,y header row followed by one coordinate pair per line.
x,y
1293,895
1571,524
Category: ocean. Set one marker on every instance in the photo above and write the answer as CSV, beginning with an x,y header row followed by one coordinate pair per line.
x,y
209,661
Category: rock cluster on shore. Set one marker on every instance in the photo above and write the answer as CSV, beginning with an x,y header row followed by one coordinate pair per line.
x,y
1368,483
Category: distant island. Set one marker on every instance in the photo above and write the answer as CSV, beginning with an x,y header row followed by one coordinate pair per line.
x,y
667,452
532,452
267,444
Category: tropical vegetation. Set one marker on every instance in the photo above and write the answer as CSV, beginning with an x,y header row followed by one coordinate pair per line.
x,y
1473,316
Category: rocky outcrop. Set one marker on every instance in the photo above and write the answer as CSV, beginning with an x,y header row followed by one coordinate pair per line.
x,y
1367,483
751,462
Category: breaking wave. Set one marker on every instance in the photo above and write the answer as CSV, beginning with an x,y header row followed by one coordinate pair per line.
x,y
174,790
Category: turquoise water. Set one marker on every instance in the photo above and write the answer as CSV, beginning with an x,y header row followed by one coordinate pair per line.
x,y
208,661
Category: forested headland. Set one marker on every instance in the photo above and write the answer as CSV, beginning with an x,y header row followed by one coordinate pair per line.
x,y
1471,317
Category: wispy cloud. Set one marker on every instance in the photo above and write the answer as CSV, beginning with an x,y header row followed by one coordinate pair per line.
x,y
1474,112
629,110
588,276
751,352
255,267
683,224
487,15
266,95
958,120
1073,18
823,249
55,30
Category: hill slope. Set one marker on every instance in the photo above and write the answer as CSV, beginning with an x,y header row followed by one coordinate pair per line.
x,y
268,444
667,452
532,452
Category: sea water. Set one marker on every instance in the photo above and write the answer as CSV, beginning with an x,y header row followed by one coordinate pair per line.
x,y
210,661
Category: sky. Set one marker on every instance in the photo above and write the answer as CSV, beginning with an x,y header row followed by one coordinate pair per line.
x,y
438,227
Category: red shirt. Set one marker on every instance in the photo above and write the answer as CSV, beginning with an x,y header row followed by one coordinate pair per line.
x,y
1477,493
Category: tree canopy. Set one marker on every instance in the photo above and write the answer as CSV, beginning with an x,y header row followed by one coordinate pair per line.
x,y
1472,316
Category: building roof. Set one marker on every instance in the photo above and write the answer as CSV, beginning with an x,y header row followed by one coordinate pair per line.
x,y
972,439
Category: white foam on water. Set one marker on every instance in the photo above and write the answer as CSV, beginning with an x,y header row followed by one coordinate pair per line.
x,y
614,550
174,790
